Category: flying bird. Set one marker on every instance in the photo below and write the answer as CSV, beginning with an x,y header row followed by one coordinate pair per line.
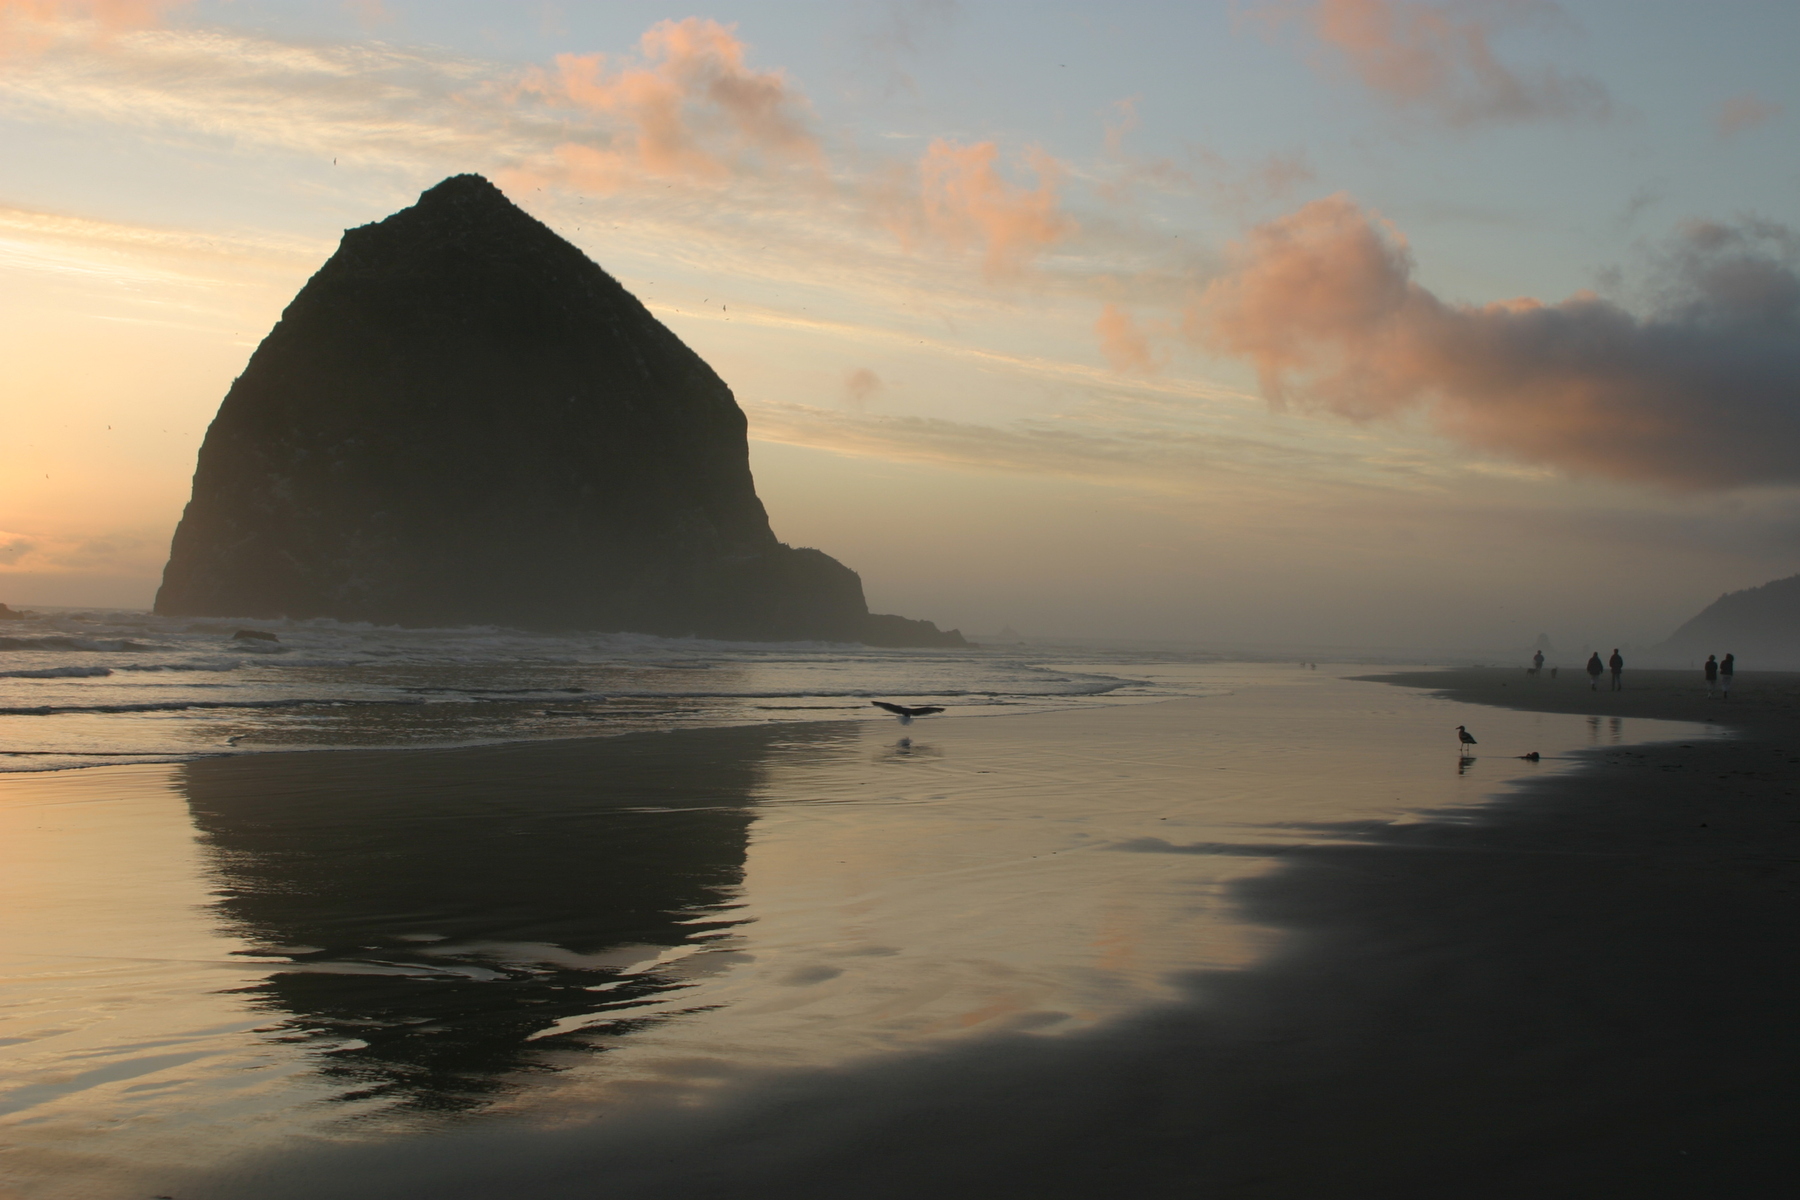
x,y
906,714
1464,736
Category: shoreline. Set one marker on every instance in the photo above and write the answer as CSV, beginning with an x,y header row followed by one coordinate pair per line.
x,y
1579,983
1582,986
842,715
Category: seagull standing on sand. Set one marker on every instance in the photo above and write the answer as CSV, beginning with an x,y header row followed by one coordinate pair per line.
x,y
1465,737
906,714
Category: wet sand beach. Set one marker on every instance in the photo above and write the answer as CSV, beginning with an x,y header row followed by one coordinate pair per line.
x,y
1763,704
1277,943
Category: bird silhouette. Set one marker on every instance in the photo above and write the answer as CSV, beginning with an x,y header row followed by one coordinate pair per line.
x,y
906,714
1465,737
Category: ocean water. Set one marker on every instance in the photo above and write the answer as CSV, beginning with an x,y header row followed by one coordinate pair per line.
x,y
85,688
267,962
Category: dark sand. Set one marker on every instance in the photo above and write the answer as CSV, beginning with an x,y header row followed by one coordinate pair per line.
x,y
1587,988
1764,704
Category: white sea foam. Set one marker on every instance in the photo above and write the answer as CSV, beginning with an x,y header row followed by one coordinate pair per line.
x,y
106,683
56,642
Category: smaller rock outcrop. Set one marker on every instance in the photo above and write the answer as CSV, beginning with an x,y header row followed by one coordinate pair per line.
x,y
11,614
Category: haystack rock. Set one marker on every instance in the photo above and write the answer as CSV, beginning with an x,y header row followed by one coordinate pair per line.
x,y
462,420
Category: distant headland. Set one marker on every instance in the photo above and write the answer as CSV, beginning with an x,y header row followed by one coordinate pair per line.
x,y
1760,625
462,420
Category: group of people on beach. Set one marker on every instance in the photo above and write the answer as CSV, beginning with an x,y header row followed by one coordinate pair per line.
x,y
1595,669
1718,674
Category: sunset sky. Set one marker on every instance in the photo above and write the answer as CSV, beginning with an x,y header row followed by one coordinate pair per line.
x,y
1372,323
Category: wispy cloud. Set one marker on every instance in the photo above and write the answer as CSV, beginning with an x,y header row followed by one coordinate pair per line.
x,y
687,111
1244,186
372,102
33,25
1322,302
1741,113
901,31
1700,394
121,272
15,546
1438,58
94,236
370,14
1062,372
1157,459
1237,186
120,553
1145,434
1132,172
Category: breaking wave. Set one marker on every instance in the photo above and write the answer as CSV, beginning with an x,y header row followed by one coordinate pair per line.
x,y
58,673
55,642
170,689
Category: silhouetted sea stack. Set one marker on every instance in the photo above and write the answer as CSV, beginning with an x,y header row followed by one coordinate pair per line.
x,y
462,420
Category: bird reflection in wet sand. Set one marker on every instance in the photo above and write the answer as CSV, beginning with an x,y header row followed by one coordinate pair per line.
x,y
456,921
907,748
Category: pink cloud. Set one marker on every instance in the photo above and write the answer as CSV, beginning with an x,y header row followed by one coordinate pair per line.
x,y
1125,346
688,107
1744,112
860,386
371,14
1703,394
964,202
1437,57
109,14
32,24
1237,186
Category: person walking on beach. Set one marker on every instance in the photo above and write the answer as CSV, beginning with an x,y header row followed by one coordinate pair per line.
x,y
1595,670
1617,664
1537,662
1712,676
1727,669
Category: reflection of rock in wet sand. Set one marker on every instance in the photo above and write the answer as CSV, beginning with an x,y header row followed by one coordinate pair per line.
x,y
443,907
